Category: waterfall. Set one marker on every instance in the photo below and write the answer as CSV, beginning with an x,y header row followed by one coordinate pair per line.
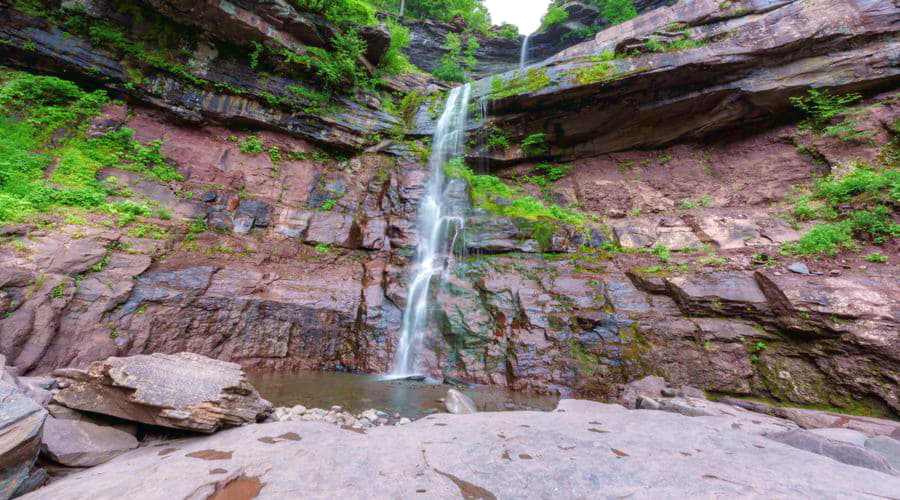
x,y
523,56
433,249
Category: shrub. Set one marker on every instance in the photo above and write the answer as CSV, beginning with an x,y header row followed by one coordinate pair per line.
x,y
252,145
617,11
876,257
395,61
554,16
553,172
822,106
535,144
509,32
498,140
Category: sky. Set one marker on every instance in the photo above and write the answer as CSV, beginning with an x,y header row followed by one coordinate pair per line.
x,y
526,14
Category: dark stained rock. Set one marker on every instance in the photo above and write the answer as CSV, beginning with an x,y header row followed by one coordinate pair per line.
x,y
181,391
378,40
76,443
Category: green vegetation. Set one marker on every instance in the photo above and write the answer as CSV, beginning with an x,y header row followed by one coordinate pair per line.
x,y
490,193
473,12
456,62
535,144
876,257
854,206
602,71
823,111
534,80
554,16
498,140
756,349
328,204
509,32
616,11
395,61
42,120
663,45
545,173
252,145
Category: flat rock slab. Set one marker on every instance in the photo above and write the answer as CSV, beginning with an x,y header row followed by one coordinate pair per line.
x,y
180,391
76,443
582,450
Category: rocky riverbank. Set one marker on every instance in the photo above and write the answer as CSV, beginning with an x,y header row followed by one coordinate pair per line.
x,y
663,437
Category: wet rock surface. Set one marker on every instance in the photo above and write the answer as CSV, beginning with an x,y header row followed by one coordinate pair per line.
x,y
181,391
522,454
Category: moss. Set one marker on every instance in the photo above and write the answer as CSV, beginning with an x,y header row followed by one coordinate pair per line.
x,y
866,407
532,81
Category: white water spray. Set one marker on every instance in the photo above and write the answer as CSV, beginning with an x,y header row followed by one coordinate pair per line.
x,y
433,251
523,56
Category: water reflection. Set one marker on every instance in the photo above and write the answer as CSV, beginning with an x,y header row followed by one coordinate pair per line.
x,y
357,393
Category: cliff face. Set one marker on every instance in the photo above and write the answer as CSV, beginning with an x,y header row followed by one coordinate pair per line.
x,y
304,263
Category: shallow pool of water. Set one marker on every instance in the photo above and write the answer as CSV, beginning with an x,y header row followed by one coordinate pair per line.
x,y
357,393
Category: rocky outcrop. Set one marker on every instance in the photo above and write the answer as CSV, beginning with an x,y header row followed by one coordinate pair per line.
x,y
519,454
181,391
753,57
583,22
21,425
428,41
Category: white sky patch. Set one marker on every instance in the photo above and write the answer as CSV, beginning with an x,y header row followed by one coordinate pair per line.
x,y
526,14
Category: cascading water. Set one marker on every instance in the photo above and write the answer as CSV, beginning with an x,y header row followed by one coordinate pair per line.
x,y
523,56
434,248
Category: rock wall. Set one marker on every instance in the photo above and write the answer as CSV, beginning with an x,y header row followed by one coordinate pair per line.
x,y
304,262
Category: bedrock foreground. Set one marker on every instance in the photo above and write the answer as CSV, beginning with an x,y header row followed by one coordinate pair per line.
x,y
583,449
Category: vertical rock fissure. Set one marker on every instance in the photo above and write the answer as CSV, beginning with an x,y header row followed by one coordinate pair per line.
x,y
436,222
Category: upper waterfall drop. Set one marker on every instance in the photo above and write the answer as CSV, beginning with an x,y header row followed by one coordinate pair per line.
x,y
523,55
434,247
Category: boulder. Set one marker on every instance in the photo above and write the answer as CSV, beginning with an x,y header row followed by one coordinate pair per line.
x,y
76,443
458,403
378,40
21,422
647,387
180,391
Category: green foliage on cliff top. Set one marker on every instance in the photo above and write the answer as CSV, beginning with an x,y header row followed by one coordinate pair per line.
x,y
492,194
457,62
473,12
554,16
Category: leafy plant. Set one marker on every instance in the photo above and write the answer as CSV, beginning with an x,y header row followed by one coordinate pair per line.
x,y
252,145
535,144
821,106
508,32
498,140
552,171
876,257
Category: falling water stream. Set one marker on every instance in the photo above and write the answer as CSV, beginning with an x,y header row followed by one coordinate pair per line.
x,y
435,224
523,56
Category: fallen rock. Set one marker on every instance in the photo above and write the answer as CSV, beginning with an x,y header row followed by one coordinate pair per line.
x,y
584,447
842,452
77,443
21,421
650,387
180,391
458,403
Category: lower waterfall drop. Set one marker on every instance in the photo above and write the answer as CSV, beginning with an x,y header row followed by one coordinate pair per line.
x,y
434,247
